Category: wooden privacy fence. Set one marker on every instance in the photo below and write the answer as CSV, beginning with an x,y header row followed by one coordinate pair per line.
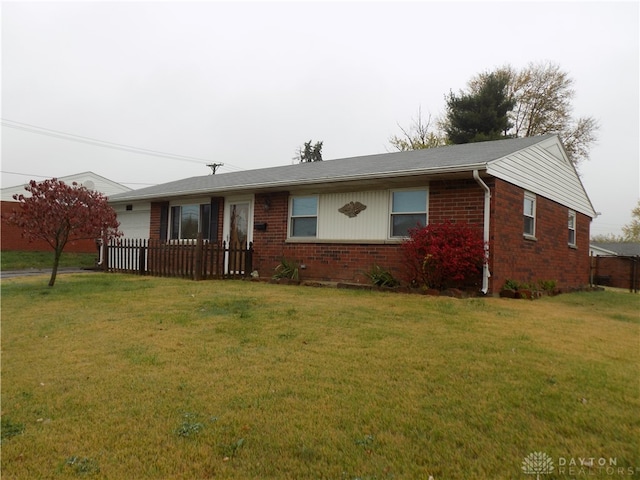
x,y
616,271
197,259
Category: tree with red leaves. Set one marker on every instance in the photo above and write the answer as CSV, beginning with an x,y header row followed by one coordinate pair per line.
x,y
56,213
443,255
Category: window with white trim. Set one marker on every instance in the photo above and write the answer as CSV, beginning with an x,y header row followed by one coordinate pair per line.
x,y
408,210
572,228
529,214
304,216
187,220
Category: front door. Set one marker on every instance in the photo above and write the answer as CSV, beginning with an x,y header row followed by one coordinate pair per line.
x,y
237,232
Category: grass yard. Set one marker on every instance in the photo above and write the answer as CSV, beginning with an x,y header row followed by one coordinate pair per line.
x,y
23,260
112,376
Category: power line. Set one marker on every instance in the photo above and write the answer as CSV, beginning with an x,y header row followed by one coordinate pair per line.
x,y
97,142
103,143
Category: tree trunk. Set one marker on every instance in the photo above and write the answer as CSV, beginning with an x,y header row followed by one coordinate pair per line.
x,y
56,261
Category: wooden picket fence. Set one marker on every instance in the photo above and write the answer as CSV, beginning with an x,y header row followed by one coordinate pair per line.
x,y
197,260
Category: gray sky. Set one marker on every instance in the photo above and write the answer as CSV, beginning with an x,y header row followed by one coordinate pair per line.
x,y
247,83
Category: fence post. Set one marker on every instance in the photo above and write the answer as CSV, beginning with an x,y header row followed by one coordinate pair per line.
x,y
142,264
197,274
105,253
249,261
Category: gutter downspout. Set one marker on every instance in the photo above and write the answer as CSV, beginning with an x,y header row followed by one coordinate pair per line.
x,y
487,217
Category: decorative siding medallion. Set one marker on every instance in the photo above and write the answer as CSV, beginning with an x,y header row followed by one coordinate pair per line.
x,y
352,209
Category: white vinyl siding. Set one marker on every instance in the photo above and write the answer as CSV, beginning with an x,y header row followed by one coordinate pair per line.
x,y
371,224
544,170
134,223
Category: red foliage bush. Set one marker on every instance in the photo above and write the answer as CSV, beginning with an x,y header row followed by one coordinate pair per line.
x,y
443,255
57,213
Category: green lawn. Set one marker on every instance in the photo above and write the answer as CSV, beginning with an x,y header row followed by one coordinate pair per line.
x,y
23,260
112,376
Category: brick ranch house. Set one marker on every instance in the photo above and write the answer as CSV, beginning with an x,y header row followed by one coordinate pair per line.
x,y
11,236
339,218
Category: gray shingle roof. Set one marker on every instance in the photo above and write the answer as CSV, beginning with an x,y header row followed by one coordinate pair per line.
x,y
435,160
625,249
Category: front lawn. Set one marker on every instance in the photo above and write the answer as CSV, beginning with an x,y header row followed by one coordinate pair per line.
x,y
113,376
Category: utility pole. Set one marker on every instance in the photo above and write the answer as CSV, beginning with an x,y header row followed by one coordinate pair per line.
x,y
214,167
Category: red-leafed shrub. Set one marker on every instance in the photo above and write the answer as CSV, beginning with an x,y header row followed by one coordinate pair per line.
x,y
443,255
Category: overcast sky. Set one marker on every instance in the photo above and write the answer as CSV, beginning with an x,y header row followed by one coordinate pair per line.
x,y
246,84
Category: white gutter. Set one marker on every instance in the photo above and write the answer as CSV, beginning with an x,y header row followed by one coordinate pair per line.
x,y
487,217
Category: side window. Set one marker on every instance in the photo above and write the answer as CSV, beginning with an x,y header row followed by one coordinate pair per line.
x,y
572,228
304,216
529,214
408,210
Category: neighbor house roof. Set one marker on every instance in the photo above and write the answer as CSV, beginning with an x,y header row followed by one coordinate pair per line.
x,y
90,180
381,167
624,249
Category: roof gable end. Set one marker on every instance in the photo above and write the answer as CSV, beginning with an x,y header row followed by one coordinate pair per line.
x,y
545,169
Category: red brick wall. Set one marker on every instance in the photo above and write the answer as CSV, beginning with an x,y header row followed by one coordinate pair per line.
x,y
269,245
154,220
511,255
11,237
448,200
546,258
619,271
456,200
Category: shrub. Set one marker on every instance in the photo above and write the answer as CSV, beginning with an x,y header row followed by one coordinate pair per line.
x,y
287,269
510,285
547,285
443,255
381,278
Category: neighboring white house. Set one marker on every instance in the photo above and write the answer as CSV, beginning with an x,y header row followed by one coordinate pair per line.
x,y
89,180
136,224
11,238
